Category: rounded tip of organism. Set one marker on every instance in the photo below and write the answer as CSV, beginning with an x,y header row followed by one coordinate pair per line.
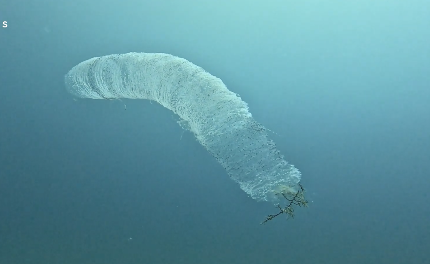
x,y
284,189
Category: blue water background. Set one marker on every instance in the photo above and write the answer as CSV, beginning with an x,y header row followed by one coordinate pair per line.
x,y
344,86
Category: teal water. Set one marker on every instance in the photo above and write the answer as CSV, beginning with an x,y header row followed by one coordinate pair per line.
x,y
344,86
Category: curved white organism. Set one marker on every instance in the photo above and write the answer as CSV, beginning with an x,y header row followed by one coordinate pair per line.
x,y
219,119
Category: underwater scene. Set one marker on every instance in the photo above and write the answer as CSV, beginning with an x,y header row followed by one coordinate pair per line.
x,y
208,132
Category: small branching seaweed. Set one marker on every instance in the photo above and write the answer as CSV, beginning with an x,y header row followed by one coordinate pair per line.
x,y
294,199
